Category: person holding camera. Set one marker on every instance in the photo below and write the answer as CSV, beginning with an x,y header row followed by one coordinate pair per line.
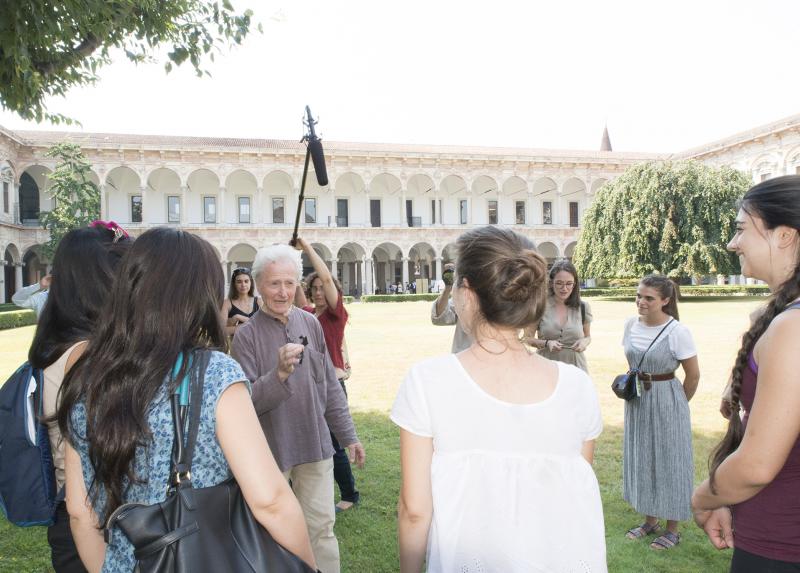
x,y
443,313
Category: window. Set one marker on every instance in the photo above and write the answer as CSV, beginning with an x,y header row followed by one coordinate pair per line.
x,y
409,212
136,208
209,209
433,211
519,210
547,212
311,210
173,209
341,213
573,213
375,212
244,209
277,210
492,212
5,197
462,210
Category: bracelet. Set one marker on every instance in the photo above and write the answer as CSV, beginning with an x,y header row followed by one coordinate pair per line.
x,y
546,340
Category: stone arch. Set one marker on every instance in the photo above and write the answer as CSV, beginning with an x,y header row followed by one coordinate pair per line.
x,y
573,194
278,193
386,188
387,259
241,190
34,265
421,259
163,183
350,268
597,185
449,253
202,183
33,198
569,250
549,251
514,208
121,183
545,192
485,201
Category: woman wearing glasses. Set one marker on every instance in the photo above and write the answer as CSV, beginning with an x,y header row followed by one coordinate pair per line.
x,y
563,333
241,303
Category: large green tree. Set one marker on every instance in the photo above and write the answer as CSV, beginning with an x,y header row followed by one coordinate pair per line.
x,y
77,198
49,46
673,218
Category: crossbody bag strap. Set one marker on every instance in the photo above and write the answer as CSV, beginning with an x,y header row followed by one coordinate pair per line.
x,y
188,395
671,320
196,406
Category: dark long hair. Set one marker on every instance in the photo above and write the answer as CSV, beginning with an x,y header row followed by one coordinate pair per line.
x,y
777,203
666,288
83,275
574,298
165,303
233,294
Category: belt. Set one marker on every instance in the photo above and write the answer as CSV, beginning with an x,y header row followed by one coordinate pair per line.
x,y
647,379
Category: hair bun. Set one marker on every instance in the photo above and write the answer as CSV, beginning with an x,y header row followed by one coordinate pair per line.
x,y
525,275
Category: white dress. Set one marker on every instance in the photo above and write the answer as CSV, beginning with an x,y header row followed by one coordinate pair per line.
x,y
511,491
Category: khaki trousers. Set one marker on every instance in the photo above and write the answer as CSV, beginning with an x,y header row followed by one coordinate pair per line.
x,y
312,484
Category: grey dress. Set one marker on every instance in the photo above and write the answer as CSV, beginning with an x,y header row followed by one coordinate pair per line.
x,y
550,329
657,468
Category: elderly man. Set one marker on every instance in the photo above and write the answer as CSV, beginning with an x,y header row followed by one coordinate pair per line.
x,y
296,394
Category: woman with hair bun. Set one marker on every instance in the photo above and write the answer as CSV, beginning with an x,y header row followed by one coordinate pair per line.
x,y
755,470
657,464
564,330
496,442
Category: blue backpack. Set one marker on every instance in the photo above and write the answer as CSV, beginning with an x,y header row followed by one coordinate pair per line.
x,y
27,475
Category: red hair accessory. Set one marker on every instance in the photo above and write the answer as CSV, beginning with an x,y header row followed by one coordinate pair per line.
x,y
112,226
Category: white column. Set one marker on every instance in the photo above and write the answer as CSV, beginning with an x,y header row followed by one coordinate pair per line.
x,y
103,198
225,274
405,272
334,268
221,207
368,276
437,266
17,276
3,284
184,207
529,208
557,207
145,209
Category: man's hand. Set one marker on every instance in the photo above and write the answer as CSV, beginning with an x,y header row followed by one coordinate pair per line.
x,y
718,526
357,454
44,282
288,359
448,274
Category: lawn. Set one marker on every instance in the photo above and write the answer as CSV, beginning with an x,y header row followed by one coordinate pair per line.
x,y
384,339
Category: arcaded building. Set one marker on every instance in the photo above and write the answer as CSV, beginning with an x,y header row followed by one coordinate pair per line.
x,y
390,213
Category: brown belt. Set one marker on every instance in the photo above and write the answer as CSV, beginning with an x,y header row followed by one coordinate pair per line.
x,y
648,379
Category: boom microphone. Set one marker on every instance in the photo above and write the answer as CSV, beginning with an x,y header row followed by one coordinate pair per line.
x,y
318,157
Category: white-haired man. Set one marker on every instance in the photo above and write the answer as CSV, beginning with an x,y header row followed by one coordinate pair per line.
x,y
296,394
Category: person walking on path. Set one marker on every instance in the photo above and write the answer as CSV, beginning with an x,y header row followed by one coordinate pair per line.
x,y
658,468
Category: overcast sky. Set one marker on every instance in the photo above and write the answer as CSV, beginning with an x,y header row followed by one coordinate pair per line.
x,y
665,76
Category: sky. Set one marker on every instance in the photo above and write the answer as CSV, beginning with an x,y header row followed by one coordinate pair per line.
x,y
664,76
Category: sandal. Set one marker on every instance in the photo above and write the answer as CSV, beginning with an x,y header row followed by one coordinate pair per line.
x,y
643,530
666,541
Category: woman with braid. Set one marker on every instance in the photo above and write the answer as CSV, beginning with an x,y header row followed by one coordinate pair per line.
x,y
752,499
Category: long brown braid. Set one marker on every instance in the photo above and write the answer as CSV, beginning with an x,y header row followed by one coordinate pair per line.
x,y
776,202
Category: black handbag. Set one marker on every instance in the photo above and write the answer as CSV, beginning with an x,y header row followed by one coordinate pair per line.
x,y
199,530
624,385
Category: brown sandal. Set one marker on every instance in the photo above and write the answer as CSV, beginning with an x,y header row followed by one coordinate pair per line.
x,y
666,541
643,530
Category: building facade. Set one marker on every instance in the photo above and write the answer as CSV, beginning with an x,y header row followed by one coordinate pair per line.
x,y
390,213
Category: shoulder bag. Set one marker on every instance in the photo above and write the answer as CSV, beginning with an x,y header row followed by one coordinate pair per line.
x,y
199,530
624,385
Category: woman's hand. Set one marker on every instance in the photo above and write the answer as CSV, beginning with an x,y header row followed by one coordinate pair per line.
x,y
243,319
553,345
718,525
580,345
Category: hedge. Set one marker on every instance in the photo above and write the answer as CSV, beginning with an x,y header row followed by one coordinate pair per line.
x,y
687,290
347,299
17,318
399,297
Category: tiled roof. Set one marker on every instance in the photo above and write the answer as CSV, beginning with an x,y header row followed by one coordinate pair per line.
x,y
120,140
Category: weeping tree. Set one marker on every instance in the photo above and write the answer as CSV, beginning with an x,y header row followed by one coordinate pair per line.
x,y
48,47
673,218
76,197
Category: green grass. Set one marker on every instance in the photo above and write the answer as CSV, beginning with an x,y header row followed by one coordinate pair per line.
x,y
385,339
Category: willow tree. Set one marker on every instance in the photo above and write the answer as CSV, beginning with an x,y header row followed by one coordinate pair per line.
x,y
673,218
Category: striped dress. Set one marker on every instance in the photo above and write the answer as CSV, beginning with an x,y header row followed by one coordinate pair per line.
x,y
658,469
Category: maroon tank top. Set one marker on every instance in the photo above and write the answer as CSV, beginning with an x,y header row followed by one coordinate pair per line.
x,y
768,524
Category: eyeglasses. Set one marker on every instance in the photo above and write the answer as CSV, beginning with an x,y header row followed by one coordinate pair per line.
x,y
241,270
562,284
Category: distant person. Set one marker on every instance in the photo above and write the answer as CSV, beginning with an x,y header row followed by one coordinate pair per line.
x,y
33,296
325,292
84,265
443,313
241,303
296,394
564,332
496,443
117,408
657,462
751,502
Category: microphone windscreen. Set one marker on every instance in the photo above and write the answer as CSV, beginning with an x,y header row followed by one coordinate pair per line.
x,y
318,157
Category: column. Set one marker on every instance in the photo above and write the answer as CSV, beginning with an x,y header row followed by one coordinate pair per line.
x,y
221,207
292,214
367,209
3,282
405,272
557,207
334,268
225,273
145,206
334,211
103,199
17,276
184,213
529,208
437,266
368,274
